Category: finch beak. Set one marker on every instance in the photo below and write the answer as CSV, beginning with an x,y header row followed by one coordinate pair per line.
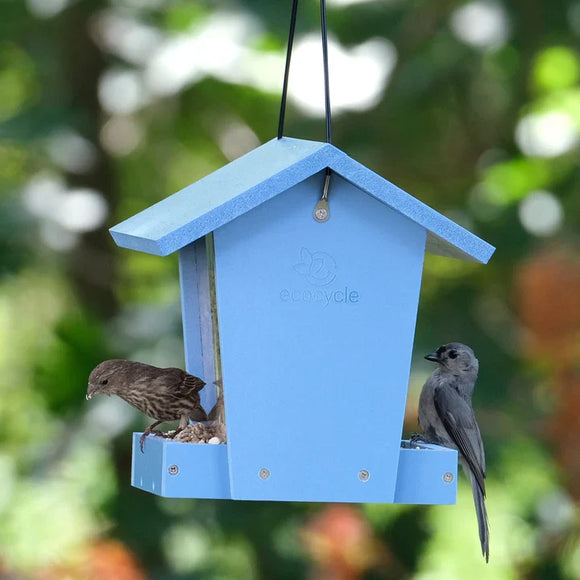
x,y
433,357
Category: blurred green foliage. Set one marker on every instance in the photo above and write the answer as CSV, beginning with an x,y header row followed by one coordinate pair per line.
x,y
474,121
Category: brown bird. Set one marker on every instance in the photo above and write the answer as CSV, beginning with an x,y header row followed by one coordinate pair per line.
x,y
164,394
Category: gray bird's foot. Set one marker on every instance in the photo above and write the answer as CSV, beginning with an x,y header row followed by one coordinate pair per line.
x,y
417,438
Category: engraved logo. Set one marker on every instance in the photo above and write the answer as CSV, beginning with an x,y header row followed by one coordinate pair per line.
x,y
318,268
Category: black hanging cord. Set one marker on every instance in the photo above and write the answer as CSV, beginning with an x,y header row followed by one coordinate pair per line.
x,y
287,68
325,63
321,211
324,28
323,203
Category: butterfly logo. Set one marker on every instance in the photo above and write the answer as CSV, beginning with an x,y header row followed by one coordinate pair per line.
x,y
319,268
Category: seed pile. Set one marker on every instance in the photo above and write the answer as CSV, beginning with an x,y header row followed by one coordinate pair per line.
x,y
213,433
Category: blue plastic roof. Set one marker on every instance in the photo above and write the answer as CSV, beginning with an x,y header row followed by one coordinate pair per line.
x,y
265,172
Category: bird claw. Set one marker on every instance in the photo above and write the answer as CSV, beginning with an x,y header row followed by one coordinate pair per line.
x,y
150,432
417,438
142,442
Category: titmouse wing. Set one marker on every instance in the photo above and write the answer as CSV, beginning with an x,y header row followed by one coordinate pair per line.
x,y
458,419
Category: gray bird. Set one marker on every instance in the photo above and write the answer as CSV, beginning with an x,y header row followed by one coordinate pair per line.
x,y
164,394
447,418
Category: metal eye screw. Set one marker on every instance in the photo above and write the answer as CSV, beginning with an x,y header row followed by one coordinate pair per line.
x,y
322,211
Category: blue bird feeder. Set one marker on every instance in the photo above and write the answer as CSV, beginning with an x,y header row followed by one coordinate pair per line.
x,y
309,327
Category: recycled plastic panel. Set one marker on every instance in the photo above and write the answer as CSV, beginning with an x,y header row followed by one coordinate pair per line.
x,y
191,275
268,171
202,470
423,476
196,315
316,325
334,391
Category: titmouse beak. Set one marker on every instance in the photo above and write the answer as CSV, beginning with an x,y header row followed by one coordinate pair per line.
x,y
90,391
433,357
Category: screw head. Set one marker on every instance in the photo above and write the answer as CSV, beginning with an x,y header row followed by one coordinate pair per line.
x,y
321,214
173,469
264,473
448,477
364,475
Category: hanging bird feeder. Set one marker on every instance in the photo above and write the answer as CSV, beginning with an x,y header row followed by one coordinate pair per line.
x,y
300,274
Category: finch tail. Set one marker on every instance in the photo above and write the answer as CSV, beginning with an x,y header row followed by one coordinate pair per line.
x,y
482,522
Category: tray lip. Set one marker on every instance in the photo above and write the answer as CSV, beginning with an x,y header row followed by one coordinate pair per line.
x,y
165,454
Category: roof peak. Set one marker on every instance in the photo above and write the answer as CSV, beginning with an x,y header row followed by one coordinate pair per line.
x,y
265,172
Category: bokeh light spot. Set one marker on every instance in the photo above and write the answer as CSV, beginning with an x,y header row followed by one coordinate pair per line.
x,y
546,134
17,80
46,8
121,92
358,76
235,139
481,24
120,136
72,152
540,213
556,68
82,210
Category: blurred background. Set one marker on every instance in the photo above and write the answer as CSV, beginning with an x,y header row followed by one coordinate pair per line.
x,y
107,106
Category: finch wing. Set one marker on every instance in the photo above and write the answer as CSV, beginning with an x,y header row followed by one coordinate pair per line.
x,y
190,388
178,383
458,419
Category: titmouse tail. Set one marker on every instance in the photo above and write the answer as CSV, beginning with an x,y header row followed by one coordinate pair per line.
x,y
482,523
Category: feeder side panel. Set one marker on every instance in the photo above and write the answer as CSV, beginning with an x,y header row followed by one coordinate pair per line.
x,y
196,314
427,475
173,469
316,327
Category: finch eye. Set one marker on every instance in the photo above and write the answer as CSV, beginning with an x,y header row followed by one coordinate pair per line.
x,y
452,354
104,381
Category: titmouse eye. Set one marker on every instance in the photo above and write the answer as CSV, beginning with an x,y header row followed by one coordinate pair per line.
x,y
104,381
452,354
